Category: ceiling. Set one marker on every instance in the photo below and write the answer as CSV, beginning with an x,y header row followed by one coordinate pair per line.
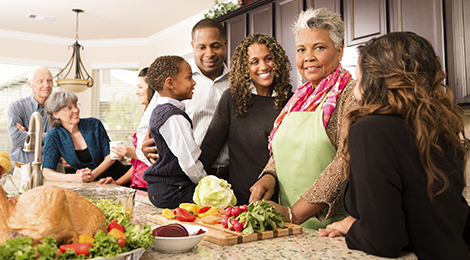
x,y
101,19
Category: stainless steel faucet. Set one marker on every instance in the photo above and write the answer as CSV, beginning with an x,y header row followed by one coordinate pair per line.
x,y
34,139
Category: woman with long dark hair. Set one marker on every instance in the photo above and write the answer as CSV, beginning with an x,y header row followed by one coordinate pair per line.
x,y
406,155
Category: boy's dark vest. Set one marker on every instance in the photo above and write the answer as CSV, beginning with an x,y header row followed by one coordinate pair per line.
x,y
166,169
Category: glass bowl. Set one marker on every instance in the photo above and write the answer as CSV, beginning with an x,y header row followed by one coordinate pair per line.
x,y
124,196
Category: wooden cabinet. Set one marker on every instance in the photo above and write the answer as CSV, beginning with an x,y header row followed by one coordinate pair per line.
x,y
286,14
236,32
260,20
364,19
272,17
424,17
332,5
445,23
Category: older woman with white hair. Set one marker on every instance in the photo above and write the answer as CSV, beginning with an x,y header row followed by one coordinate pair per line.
x,y
83,143
304,163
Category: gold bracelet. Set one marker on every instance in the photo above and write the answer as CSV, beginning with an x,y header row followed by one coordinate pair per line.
x,y
290,214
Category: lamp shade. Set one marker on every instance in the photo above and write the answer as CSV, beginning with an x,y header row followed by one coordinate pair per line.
x,y
75,85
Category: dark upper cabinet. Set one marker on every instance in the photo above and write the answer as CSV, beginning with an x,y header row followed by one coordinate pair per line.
x,y
332,5
445,23
274,18
424,17
260,20
236,31
287,12
364,19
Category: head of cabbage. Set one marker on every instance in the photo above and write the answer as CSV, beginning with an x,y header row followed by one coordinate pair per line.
x,y
214,192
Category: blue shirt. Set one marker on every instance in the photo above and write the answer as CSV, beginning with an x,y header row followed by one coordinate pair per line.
x,y
20,111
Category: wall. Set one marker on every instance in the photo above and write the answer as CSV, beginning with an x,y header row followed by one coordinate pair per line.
x,y
97,54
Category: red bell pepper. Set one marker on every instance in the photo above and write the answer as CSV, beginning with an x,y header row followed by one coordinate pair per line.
x,y
79,248
204,209
184,215
114,224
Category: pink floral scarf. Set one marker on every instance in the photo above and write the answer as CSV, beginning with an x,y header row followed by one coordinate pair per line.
x,y
307,98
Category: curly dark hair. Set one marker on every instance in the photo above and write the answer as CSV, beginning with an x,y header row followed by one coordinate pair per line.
x,y
162,68
402,76
240,78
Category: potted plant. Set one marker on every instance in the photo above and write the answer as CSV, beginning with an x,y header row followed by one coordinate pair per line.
x,y
219,9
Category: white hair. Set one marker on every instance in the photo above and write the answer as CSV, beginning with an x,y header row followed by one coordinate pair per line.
x,y
33,71
322,19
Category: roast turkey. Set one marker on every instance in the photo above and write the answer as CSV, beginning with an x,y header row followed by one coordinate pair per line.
x,y
49,211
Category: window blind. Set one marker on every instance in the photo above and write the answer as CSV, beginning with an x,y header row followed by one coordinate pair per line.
x,y
115,103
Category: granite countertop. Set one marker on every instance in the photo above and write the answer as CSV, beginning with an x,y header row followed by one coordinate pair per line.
x,y
307,245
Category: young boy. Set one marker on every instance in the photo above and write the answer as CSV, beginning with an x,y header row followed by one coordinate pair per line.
x,y
172,179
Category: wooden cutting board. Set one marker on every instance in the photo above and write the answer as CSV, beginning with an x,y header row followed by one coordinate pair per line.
x,y
219,235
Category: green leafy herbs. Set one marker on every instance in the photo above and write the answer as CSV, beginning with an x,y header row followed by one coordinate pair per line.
x,y
219,9
260,217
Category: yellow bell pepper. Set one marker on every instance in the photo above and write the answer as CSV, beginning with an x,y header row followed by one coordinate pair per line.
x,y
191,207
168,213
209,212
84,238
116,233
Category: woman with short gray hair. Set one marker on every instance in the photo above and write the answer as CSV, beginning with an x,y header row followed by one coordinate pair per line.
x,y
307,133
83,143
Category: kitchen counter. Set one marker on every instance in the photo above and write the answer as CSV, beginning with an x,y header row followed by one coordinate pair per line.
x,y
307,245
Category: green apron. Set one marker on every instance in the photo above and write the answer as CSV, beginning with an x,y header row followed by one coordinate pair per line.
x,y
302,151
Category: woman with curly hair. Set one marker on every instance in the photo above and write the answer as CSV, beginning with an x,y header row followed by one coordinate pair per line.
x,y
406,158
259,89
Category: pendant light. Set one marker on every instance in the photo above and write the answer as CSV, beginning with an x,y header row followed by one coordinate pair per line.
x,y
82,80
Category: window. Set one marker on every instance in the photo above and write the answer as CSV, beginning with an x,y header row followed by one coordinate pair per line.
x,y
115,103
13,86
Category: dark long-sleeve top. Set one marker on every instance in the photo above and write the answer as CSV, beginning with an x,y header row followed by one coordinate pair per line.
x,y
59,143
386,192
247,139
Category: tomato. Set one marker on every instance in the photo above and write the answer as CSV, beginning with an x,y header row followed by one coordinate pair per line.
x,y
35,253
114,224
116,233
121,241
79,248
